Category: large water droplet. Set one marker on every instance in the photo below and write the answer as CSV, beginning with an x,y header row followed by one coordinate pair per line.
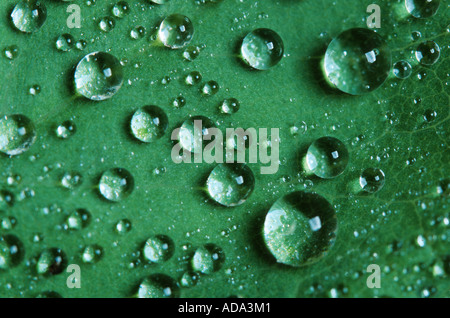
x,y
230,184
158,249
176,31
422,8
208,259
116,184
149,123
158,286
327,157
98,76
428,53
357,61
29,15
262,49
372,180
17,134
300,228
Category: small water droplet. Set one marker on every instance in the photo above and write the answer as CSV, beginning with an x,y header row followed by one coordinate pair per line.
x,y
11,251
92,254
116,184
158,286
158,249
428,52
402,69
65,42
230,106
51,261
66,129
210,88
11,52
176,31
149,123
107,24
422,8
17,134
28,16
193,78
372,180
120,9
208,259
262,49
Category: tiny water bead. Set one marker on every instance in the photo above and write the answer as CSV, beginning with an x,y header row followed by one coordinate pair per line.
x,y
121,9
158,249
179,102
66,129
357,61
422,8
300,228
158,286
149,123
176,31
34,90
193,78
71,180
193,131
402,69
428,52
372,180
116,184
230,184
51,261
210,88
262,49
11,52
191,53
8,223
189,279
78,219
11,251
92,254
415,36
65,42
80,45
17,134
327,157
28,16
208,259
229,106
123,226
98,76
138,32
107,24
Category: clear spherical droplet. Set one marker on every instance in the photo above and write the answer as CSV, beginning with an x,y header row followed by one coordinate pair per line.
x,y
176,31
230,106
149,123
372,180
123,226
422,8
189,279
428,52
300,228
191,53
327,157
98,76
158,249
230,184
193,131
121,9
78,219
116,184
11,251
208,259
137,32
402,69
71,180
29,15
92,254
262,49
210,88
357,61
158,286
52,261
17,134
66,129
65,42
193,78
11,52
107,24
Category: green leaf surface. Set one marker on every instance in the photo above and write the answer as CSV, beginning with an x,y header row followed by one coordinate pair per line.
x,y
384,129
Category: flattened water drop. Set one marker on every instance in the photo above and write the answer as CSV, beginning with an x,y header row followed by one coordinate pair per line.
x,y
98,76
28,16
300,228
149,123
176,31
358,61
116,184
17,134
262,49
327,157
230,184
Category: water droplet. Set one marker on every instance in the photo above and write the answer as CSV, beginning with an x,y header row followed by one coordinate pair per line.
x,y
52,261
71,180
262,49
65,42
372,180
137,32
189,279
429,115
11,251
66,129
210,88
193,131
193,78
92,254
402,69
158,286
120,9
107,24
422,8
158,249
327,157
11,52
230,106
230,184
8,223
415,36
357,61
78,219
6,199
191,53
34,90
208,259
116,184
13,180
428,53
149,123
179,102
17,134
98,76
300,228
176,31
123,226
29,15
